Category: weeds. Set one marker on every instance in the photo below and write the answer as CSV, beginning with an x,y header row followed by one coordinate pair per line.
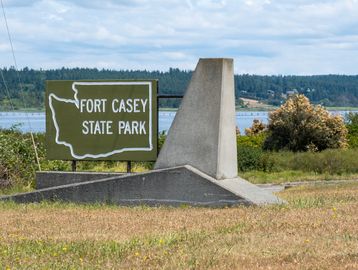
x,y
316,229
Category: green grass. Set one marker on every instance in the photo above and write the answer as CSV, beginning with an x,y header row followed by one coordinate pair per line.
x,y
327,162
19,188
260,177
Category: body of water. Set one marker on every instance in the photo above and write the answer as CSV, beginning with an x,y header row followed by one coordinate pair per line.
x,y
35,121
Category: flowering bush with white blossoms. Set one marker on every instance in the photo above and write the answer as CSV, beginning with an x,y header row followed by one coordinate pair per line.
x,y
300,126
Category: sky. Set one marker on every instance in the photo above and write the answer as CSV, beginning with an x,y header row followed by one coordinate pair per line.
x,y
297,37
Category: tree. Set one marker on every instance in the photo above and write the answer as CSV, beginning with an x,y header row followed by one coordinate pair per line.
x,y
300,126
256,128
332,90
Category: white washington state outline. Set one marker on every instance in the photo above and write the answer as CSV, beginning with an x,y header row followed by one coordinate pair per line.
x,y
76,102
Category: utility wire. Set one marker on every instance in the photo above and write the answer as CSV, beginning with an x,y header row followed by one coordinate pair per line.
x,y
20,85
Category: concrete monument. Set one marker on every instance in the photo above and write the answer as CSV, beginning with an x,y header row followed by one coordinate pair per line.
x,y
197,164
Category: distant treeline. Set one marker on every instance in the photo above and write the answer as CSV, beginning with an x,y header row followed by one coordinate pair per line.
x,y
328,90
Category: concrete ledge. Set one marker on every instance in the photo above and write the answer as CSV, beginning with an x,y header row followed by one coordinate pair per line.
x,y
174,186
54,178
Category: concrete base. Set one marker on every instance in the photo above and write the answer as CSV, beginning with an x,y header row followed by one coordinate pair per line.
x,y
173,186
54,178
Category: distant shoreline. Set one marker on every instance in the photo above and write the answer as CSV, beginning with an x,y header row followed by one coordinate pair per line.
x,y
33,110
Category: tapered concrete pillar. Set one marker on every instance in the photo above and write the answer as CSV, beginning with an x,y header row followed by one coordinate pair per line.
x,y
203,132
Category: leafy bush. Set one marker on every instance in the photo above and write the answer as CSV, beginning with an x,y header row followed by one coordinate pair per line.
x,y
257,128
248,158
353,138
17,158
252,158
256,141
4,177
250,155
352,126
299,126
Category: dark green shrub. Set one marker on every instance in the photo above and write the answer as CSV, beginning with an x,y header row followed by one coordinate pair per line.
x,y
253,158
248,158
17,158
352,126
250,155
353,140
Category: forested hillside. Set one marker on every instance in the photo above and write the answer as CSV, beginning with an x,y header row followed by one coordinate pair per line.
x,y
329,90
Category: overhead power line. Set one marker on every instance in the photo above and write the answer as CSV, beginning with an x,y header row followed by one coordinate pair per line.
x,y
20,84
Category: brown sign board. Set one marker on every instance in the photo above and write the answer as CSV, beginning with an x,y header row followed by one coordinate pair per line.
x,y
101,120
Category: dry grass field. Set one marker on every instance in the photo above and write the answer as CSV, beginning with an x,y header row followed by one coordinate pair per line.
x,y
317,229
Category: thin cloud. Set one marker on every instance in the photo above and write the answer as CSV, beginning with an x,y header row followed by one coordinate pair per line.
x,y
263,36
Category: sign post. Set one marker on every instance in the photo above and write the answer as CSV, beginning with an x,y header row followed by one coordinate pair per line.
x,y
101,120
